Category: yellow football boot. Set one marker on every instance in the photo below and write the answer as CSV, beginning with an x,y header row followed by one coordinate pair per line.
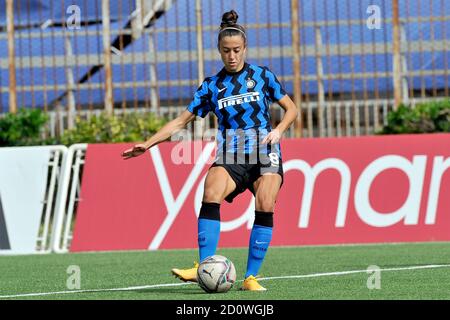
x,y
251,284
186,274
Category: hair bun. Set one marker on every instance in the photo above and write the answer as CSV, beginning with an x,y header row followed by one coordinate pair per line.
x,y
229,19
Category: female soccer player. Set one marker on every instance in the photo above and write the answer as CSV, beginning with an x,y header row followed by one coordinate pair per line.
x,y
248,152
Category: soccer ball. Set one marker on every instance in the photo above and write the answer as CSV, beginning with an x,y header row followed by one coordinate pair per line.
x,y
216,274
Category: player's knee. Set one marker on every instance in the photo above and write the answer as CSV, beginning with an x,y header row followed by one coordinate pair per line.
x,y
265,204
212,195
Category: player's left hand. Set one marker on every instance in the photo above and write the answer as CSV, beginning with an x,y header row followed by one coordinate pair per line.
x,y
273,137
136,151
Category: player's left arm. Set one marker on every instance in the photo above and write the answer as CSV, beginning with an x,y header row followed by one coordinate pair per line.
x,y
289,117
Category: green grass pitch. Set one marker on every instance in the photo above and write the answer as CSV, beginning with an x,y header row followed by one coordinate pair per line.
x,y
407,271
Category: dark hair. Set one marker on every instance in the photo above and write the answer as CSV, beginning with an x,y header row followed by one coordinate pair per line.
x,y
229,27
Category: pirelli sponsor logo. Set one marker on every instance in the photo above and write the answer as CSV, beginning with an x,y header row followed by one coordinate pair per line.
x,y
239,99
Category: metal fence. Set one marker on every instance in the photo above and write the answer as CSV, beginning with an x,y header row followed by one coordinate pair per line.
x,y
346,63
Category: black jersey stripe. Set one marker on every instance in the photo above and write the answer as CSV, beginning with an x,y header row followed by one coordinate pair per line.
x,y
239,82
256,106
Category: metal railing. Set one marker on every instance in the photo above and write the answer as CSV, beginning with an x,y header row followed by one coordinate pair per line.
x,y
57,156
68,198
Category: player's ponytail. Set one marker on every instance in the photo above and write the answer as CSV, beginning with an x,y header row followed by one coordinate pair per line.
x,y
229,27
229,19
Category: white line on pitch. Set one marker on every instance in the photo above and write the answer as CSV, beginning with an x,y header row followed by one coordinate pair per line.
x,y
37,294
341,273
312,275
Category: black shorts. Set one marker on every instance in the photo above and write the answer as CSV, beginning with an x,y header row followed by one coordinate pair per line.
x,y
244,175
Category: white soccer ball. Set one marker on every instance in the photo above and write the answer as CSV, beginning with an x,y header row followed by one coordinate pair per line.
x,y
216,274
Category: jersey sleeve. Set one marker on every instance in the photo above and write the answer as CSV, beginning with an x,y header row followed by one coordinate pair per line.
x,y
201,103
274,87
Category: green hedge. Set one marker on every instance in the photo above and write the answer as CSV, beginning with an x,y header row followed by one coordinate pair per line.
x,y
131,127
430,117
28,127
24,128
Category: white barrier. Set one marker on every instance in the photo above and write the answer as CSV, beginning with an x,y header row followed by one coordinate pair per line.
x,y
68,195
29,179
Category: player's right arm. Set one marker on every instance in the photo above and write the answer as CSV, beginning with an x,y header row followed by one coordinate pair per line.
x,y
163,134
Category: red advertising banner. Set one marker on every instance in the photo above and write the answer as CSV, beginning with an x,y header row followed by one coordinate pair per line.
x,y
336,190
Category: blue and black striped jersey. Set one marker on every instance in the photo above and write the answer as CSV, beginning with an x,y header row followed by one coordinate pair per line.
x,y
241,103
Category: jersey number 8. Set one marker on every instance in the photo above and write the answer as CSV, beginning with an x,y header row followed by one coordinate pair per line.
x,y
274,159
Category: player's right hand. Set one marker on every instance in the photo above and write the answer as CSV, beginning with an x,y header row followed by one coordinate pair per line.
x,y
136,151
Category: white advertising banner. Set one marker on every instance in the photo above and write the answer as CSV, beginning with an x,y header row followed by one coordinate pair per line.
x,y
23,181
